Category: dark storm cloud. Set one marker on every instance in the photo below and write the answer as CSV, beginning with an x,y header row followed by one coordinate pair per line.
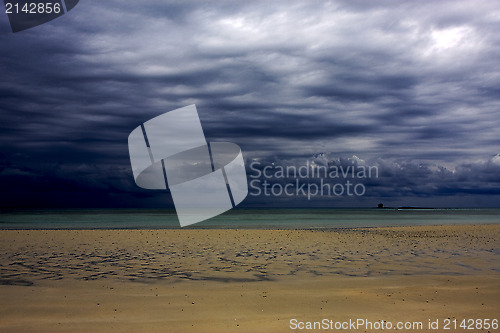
x,y
401,83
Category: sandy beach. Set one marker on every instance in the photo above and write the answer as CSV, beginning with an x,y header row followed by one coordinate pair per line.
x,y
245,280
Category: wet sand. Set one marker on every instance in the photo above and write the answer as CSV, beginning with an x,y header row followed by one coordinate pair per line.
x,y
244,280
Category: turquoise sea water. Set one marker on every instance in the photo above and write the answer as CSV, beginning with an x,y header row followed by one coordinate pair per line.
x,y
243,218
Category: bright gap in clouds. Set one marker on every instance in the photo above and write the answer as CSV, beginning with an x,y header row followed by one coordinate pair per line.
x,y
444,39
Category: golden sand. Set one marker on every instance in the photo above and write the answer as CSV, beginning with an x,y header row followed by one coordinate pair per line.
x,y
244,280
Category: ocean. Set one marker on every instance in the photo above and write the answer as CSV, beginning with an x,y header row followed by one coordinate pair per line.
x,y
243,218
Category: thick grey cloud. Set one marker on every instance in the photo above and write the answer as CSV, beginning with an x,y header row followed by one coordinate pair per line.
x,y
411,87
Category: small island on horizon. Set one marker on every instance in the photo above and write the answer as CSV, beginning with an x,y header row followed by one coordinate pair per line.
x,y
381,206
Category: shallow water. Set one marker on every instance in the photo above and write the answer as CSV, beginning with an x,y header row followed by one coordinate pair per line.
x,y
243,218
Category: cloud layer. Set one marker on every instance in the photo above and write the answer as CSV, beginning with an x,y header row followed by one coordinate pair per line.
x,y
409,86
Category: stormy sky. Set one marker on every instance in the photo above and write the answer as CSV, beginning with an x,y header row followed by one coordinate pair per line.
x,y
411,87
